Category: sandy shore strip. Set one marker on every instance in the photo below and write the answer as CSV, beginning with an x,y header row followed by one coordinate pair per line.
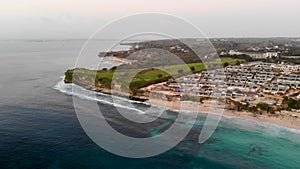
x,y
285,121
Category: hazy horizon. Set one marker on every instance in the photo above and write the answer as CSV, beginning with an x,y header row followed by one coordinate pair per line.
x,y
53,19
58,39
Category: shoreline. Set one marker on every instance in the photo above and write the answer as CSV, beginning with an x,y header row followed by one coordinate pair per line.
x,y
283,121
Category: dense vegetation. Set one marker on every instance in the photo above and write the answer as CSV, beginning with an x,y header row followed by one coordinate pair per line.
x,y
289,103
259,108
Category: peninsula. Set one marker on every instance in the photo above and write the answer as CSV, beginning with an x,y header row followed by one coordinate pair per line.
x,y
258,80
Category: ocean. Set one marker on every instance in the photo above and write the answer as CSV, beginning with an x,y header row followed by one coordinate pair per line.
x,y
39,127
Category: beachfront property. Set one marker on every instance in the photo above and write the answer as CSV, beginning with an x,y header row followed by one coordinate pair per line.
x,y
246,83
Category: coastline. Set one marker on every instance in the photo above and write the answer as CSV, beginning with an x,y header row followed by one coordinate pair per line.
x,y
289,122
283,121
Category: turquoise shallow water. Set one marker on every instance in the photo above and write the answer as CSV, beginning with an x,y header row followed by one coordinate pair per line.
x,y
43,138
39,127
233,146
245,149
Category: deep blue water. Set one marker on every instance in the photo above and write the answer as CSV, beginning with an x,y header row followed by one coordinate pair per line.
x,y
39,127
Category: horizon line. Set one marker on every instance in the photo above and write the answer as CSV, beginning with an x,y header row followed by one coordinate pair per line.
x,y
221,37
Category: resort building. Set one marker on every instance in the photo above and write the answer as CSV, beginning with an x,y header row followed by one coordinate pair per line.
x,y
256,54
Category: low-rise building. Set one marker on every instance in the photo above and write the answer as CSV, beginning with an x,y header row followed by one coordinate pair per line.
x,y
256,54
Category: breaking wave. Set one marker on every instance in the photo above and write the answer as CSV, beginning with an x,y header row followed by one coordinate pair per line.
x,y
67,88
227,121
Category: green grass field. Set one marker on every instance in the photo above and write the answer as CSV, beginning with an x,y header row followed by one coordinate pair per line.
x,y
142,78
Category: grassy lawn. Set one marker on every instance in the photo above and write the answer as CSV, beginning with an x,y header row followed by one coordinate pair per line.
x,y
231,61
143,78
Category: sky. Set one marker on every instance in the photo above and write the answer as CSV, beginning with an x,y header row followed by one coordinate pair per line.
x,y
78,19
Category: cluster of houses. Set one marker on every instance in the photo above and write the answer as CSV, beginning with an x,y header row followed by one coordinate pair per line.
x,y
287,67
178,48
259,52
246,81
264,54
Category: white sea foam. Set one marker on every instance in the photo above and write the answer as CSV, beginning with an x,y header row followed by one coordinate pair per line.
x,y
236,122
89,95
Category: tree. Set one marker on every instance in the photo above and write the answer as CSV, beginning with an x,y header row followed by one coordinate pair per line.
x,y
192,68
289,103
237,62
264,107
225,64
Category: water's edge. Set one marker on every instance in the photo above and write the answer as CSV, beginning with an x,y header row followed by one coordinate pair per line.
x,y
245,124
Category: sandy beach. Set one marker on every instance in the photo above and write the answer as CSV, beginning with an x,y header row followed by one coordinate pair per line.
x,y
206,106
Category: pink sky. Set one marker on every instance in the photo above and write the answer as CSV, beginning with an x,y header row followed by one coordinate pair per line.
x,y
28,14
108,8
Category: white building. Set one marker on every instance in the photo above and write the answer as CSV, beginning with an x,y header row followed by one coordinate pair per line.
x,y
255,54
